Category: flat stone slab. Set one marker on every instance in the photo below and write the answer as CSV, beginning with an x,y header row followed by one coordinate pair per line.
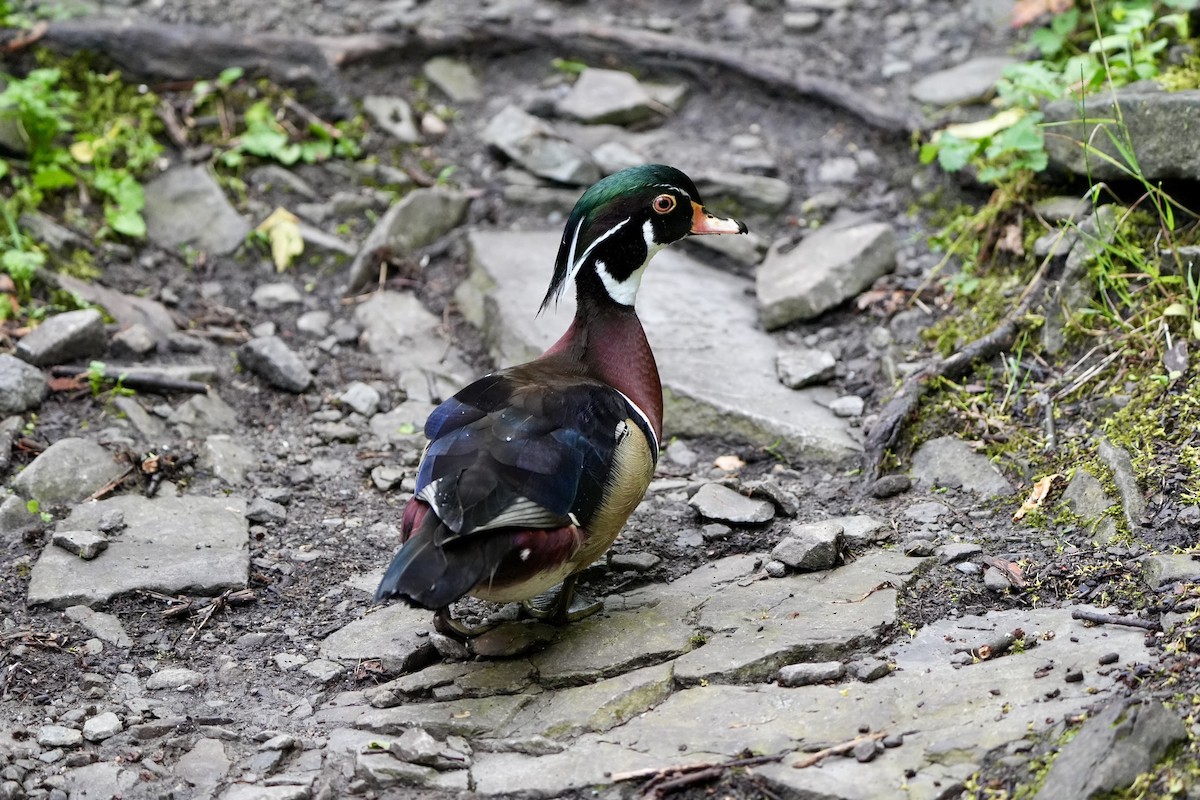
x,y
717,365
194,545
397,634
1151,120
951,716
756,627
948,461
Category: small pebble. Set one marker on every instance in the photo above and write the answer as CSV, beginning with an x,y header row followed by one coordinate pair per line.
x,y
776,569
918,548
1109,658
1074,676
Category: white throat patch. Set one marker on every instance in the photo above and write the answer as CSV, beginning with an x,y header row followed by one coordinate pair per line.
x,y
623,292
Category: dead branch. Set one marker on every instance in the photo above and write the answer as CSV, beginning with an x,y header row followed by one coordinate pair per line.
x,y
111,485
1097,618
24,40
664,780
884,431
837,750
175,130
138,381
308,116
877,588
996,647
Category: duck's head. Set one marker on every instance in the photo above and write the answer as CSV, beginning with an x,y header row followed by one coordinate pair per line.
x,y
621,222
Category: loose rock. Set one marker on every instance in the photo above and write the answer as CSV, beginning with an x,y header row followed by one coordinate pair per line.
x,y
807,673
607,96
950,462
1111,750
798,367
67,472
721,503
534,145
102,726
273,361
22,386
968,82
186,206
811,547
85,544
70,336
827,268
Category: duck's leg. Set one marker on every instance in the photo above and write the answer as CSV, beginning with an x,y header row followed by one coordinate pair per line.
x,y
562,604
447,625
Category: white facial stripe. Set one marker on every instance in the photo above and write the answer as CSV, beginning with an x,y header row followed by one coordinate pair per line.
x,y
623,292
675,188
592,246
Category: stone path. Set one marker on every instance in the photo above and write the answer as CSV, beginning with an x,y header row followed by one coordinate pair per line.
x,y
304,454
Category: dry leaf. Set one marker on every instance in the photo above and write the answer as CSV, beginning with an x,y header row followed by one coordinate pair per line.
x,y
1010,240
283,229
985,127
729,463
1027,11
1010,570
882,302
1037,496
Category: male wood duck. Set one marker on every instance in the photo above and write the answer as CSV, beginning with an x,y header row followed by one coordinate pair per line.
x,y
531,472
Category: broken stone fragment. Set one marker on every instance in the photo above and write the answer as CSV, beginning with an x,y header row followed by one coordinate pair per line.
x,y
85,544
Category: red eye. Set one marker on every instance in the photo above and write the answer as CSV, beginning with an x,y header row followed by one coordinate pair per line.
x,y
664,204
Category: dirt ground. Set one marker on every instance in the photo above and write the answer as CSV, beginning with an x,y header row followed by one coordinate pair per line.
x,y
352,524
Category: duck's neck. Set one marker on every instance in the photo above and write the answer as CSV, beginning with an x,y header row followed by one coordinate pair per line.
x,y
607,341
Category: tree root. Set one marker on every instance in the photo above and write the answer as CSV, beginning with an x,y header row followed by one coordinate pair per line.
x,y
624,44
892,416
180,52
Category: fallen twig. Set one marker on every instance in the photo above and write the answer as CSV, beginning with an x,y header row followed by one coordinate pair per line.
x,y
837,750
1109,619
30,37
138,381
998,646
111,485
310,117
664,780
871,591
891,417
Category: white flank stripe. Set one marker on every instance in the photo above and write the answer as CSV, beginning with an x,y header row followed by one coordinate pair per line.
x,y
649,426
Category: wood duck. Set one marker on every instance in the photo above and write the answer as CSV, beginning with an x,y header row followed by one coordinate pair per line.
x,y
531,472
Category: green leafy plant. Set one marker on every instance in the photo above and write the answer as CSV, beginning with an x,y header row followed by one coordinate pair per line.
x,y
265,137
1113,43
80,128
35,508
